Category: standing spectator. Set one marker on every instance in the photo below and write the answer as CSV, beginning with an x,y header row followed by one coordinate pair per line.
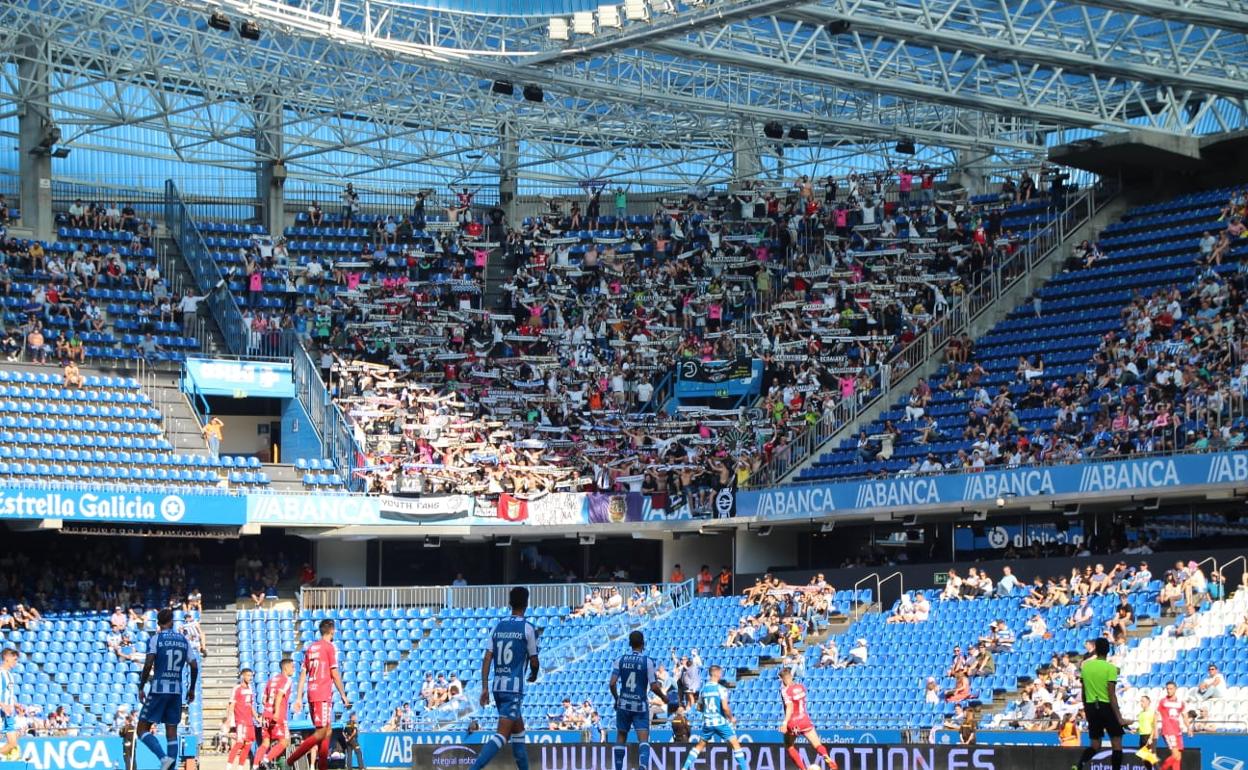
x,y
680,726
212,435
705,581
677,575
8,706
351,743
723,584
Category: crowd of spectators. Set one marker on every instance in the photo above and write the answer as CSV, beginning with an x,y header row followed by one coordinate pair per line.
x,y
555,388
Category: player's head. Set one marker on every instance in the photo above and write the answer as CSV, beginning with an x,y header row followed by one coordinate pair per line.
x,y
714,673
786,675
8,658
1171,689
287,666
1145,701
518,599
637,641
1100,646
327,628
246,675
164,618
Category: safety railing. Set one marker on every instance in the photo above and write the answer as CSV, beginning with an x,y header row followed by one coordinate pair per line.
x,y
338,440
1001,278
334,599
209,279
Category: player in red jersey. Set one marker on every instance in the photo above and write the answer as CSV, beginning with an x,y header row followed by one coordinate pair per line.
x,y
797,721
320,676
1173,713
242,722
275,702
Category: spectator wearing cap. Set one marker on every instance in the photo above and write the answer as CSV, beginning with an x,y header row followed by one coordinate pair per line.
x,y
118,620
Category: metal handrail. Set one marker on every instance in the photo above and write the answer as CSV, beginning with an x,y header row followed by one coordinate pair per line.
x,y
873,577
958,318
901,586
1243,580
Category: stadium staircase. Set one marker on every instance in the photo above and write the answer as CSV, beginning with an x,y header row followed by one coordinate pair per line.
x,y
1086,215
219,669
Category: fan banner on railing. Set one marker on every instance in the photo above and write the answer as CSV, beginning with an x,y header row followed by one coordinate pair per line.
x,y
1104,480
616,509
426,508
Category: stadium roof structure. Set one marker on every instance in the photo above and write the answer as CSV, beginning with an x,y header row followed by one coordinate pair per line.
x,y
663,92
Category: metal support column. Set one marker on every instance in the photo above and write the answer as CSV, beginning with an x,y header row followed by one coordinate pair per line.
x,y
34,153
270,170
508,163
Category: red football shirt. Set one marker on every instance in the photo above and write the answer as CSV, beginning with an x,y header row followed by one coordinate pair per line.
x,y
320,659
276,698
1171,711
241,703
795,694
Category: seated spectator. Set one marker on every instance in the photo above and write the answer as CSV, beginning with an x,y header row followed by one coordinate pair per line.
x,y
960,663
953,586
194,601
830,656
961,690
1196,587
7,621
1240,631
118,621
1169,596
26,616
257,591
1000,637
1187,625
931,692
1137,580
72,376
857,654
1121,622
1082,615
1008,584
592,606
983,663
1037,628
916,611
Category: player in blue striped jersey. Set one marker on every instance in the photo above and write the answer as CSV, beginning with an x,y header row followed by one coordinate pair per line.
x,y
8,705
168,655
717,721
635,672
510,649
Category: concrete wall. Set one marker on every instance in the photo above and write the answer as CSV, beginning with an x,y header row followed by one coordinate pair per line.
x,y
241,435
692,551
299,439
759,553
343,561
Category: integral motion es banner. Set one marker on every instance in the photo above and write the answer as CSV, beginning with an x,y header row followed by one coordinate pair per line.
x,y
771,756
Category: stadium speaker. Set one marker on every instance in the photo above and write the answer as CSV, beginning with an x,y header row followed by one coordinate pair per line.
x,y
798,133
219,21
433,542
503,87
249,30
763,531
586,539
827,527
503,541
911,520
533,94
773,130
905,147
838,27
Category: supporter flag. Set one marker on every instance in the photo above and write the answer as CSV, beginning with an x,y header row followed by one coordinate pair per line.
x,y
512,508
617,508
725,502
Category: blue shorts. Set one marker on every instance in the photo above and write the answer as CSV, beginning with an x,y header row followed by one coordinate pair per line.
x,y
718,733
631,720
8,723
508,704
161,709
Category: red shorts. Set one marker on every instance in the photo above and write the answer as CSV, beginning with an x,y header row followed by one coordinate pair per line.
x,y
321,713
799,726
244,732
274,731
1174,741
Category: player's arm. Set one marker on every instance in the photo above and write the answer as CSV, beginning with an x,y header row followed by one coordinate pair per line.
x,y
723,706
613,685
788,709
530,638
301,687
1113,701
190,691
149,663
486,659
229,712
336,675
1184,722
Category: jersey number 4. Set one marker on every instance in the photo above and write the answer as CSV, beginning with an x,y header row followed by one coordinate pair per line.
x,y
631,682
